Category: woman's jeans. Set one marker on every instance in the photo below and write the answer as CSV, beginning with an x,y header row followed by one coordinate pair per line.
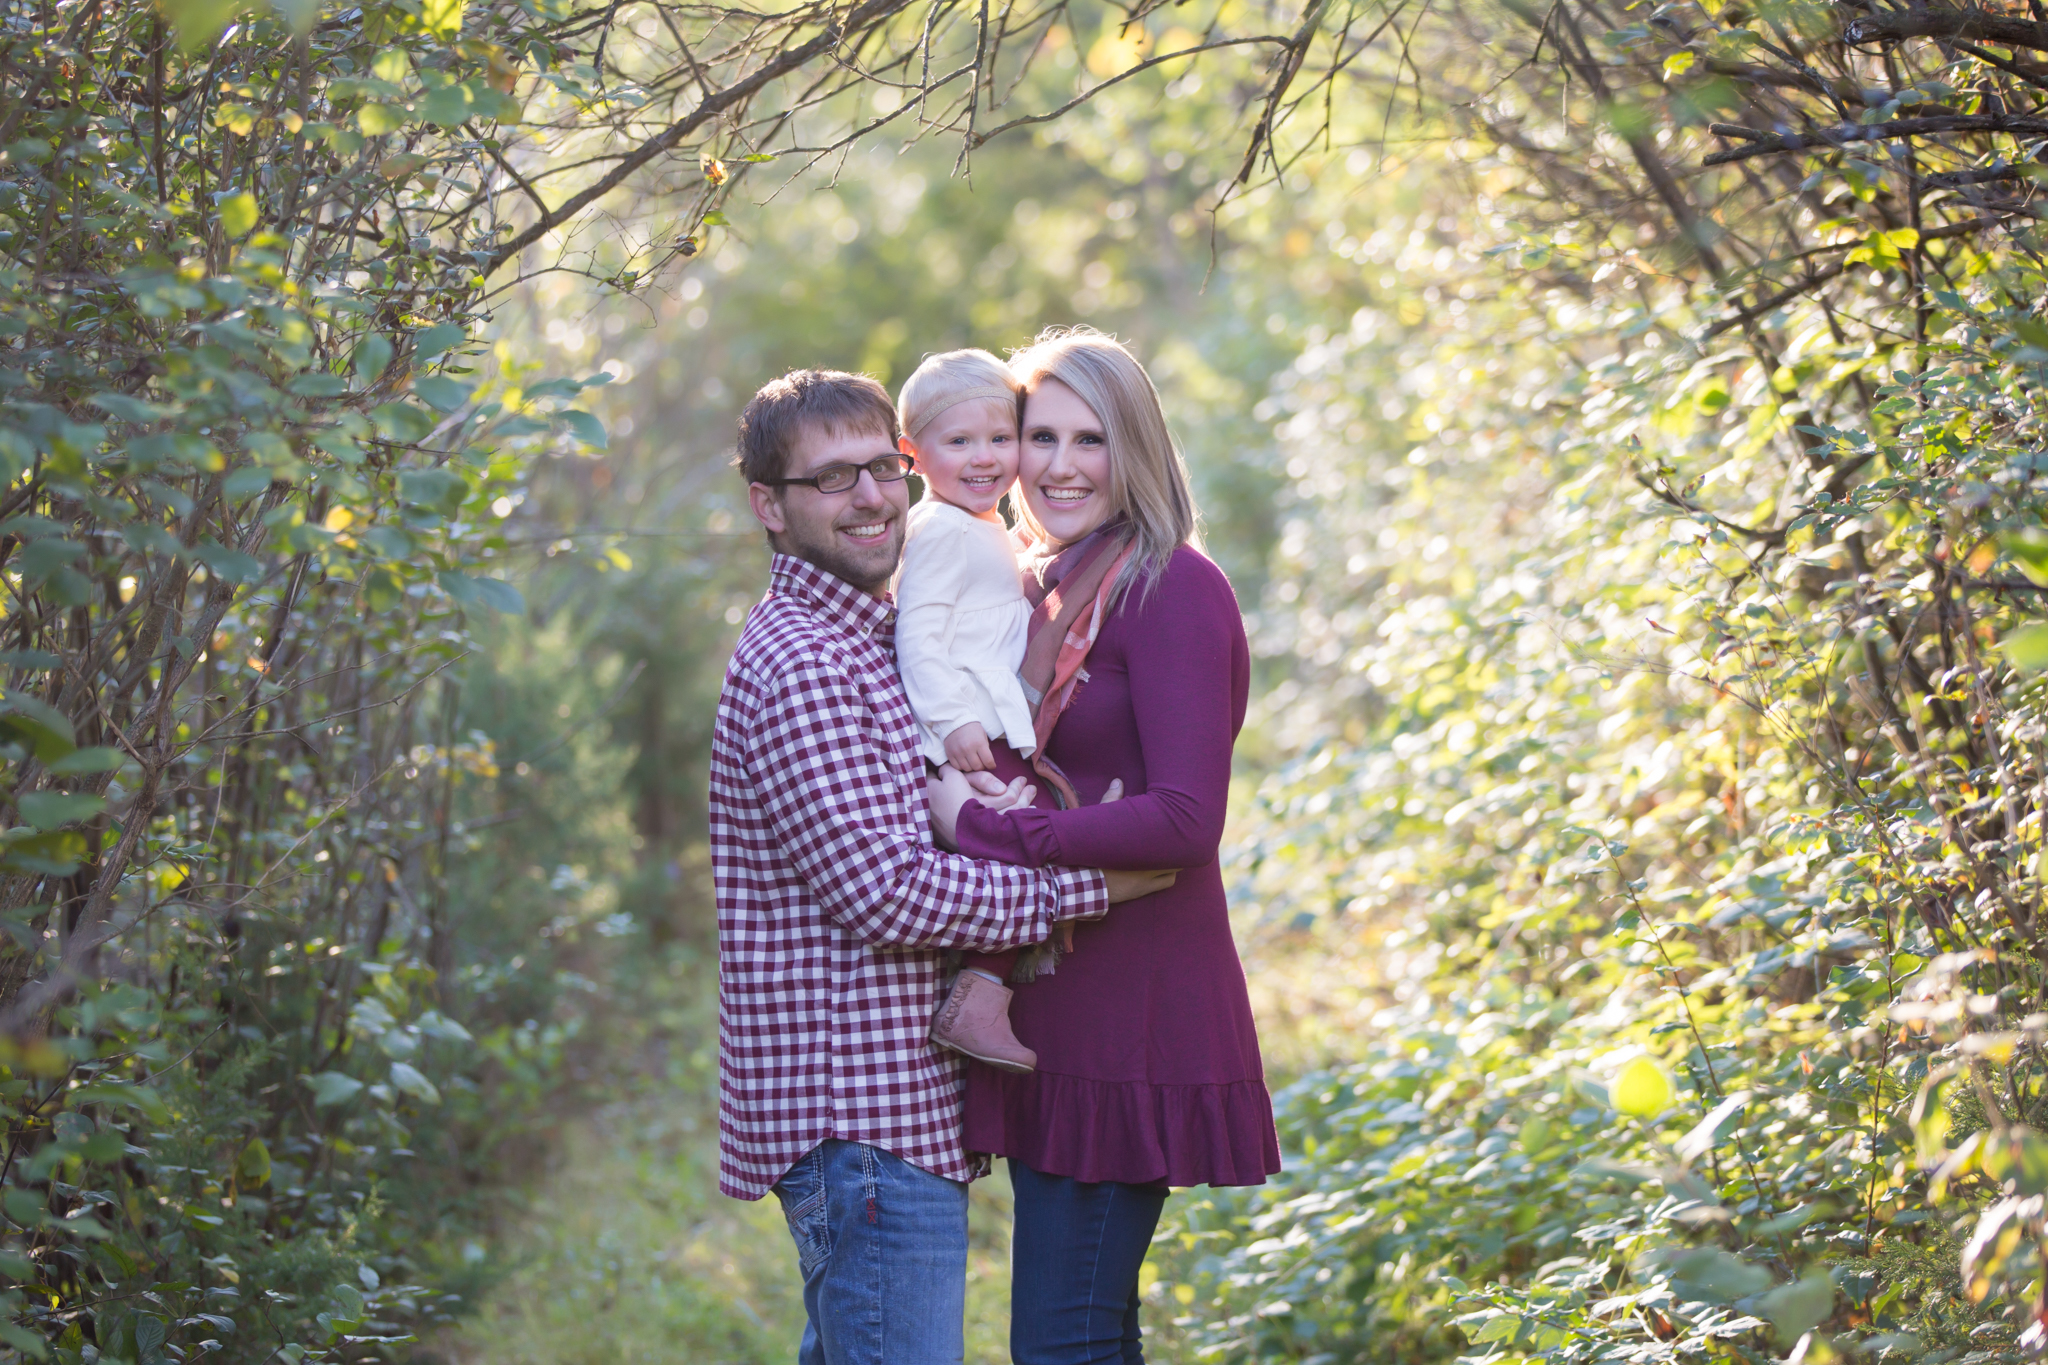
x,y
1074,1259
883,1250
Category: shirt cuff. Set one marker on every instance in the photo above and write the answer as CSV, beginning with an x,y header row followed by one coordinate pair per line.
x,y
1084,893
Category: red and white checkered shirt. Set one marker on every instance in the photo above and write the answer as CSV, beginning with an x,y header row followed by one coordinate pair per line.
x,y
834,906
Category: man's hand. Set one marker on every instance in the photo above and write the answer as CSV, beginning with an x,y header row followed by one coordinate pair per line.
x,y
967,749
1129,886
952,789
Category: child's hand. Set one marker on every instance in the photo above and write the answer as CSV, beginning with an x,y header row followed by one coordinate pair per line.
x,y
968,750
950,789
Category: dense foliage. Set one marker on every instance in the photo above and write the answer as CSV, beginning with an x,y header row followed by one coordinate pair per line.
x,y
1658,590
1643,887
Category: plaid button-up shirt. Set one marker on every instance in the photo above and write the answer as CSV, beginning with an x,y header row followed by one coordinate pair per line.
x,y
834,905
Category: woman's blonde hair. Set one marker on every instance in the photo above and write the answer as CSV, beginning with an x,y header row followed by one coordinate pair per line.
x,y
948,380
1148,479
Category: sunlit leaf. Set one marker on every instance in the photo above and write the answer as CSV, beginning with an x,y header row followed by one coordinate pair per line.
x,y
238,213
1643,1089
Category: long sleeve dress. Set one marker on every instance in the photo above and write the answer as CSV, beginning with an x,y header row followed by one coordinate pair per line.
x,y
961,618
1148,1060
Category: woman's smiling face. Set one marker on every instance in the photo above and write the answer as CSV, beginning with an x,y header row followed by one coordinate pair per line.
x,y
1064,466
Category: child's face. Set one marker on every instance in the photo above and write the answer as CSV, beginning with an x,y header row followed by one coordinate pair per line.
x,y
968,455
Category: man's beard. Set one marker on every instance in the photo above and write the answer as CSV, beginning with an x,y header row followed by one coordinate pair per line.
x,y
868,570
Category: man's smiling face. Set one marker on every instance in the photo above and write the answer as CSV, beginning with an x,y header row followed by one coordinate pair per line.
x,y
855,535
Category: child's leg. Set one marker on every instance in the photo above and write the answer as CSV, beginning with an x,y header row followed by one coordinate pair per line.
x,y
975,1020
994,966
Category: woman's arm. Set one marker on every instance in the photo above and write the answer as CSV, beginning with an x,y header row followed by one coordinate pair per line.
x,y
1182,655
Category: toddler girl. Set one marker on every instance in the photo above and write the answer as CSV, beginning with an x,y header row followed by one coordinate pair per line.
x,y
961,627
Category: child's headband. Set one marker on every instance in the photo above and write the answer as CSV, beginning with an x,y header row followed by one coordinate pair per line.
x,y
964,396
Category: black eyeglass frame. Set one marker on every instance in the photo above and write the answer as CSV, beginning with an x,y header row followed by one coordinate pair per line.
x,y
906,465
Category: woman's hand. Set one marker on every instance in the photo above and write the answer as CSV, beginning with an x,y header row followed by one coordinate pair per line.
x,y
967,749
952,789
1130,886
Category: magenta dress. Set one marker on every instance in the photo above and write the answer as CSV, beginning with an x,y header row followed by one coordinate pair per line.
x,y
1148,1061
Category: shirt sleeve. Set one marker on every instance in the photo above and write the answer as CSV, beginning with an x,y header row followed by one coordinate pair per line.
x,y
927,594
1180,654
859,835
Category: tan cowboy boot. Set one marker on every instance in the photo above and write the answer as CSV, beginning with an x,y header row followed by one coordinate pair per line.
x,y
975,1020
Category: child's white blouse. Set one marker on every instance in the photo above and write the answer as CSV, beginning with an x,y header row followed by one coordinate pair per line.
x,y
961,623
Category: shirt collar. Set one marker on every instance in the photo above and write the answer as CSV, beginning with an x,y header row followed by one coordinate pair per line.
x,y
831,596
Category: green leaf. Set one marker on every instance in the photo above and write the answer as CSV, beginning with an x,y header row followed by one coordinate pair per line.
x,y
232,566
2027,647
402,422
34,722
373,355
129,409
409,1080
442,336
24,1341
149,1338
2029,548
442,392
198,22
252,1167
443,490
471,591
382,590
41,558
333,1087
2020,1155
318,384
55,854
89,761
447,107
247,482
1712,1274
52,809
379,119
238,213
125,1094
1796,1309
588,429
437,1025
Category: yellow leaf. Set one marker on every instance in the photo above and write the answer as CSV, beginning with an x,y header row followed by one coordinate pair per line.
x,y
338,519
198,22
1643,1090
1678,63
238,213
1118,50
443,18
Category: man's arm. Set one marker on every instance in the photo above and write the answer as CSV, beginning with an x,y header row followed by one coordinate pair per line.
x,y
859,835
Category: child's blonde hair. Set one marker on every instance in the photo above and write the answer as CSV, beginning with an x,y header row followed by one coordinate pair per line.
x,y
948,380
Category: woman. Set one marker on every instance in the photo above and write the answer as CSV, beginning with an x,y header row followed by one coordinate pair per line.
x,y
1148,1064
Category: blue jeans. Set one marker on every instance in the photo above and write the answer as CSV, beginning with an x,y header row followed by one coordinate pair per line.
x,y
1074,1258
883,1250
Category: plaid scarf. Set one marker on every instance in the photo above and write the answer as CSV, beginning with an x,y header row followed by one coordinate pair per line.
x,y
1069,587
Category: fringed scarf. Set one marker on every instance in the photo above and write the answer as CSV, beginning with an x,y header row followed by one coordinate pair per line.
x,y
1070,589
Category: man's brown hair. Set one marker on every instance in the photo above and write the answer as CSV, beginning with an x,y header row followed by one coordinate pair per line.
x,y
803,400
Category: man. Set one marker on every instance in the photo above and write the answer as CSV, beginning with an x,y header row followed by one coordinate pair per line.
x,y
834,907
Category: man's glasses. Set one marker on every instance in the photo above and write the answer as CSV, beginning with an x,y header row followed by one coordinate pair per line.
x,y
837,478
